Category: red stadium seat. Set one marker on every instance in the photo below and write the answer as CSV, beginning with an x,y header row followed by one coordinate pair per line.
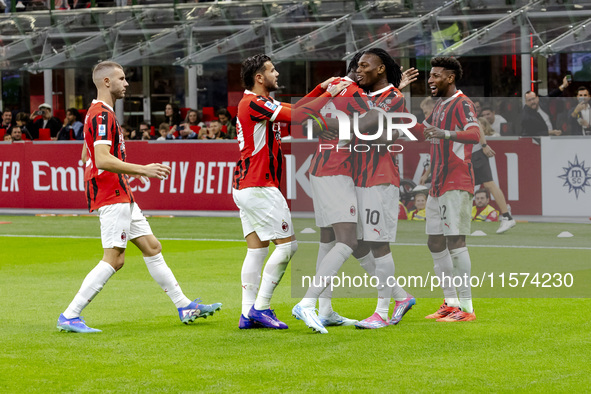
x,y
44,135
208,114
184,112
2,132
82,113
152,131
60,114
195,129
233,110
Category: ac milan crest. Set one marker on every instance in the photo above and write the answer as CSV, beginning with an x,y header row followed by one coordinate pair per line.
x,y
123,236
284,226
352,210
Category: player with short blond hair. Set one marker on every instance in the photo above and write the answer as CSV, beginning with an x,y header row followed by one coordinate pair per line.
x,y
108,192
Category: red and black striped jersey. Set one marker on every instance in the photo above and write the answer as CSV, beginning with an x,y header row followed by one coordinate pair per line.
x,y
451,160
333,161
377,166
104,187
259,138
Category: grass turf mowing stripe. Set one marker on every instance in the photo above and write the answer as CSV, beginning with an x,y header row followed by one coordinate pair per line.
x,y
300,241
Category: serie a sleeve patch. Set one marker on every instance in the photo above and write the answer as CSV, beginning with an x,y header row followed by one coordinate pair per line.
x,y
270,105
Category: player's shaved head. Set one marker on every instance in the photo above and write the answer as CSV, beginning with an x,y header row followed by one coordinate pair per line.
x,y
251,67
104,70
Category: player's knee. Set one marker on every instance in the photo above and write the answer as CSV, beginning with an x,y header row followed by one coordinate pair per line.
x,y
436,245
152,248
156,247
352,243
118,263
456,242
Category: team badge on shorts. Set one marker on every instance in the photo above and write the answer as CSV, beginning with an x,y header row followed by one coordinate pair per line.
x,y
352,210
123,236
284,226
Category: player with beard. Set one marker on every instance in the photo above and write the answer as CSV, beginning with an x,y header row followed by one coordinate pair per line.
x,y
264,212
452,128
377,182
335,208
108,192
335,201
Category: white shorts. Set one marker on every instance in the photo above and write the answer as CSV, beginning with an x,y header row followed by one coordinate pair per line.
x,y
378,213
449,214
335,200
265,211
120,223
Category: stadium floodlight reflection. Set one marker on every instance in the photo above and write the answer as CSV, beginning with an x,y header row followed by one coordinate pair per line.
x,y
258,29
570,40
408,32
301,45
76,51
490,32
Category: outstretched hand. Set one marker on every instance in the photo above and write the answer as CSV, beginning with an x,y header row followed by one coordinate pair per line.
x,y
156,170
408,77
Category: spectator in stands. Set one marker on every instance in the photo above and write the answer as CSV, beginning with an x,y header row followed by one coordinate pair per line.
x,y
487,128
6,120
477,106
186,133
495,121
16,134
7,137
126,130
213,132
482,211
228,129
420,198
163,131
534,120
24,121
584,74
193,118
427,106
172,115
47,121
145,130
579,121
73,128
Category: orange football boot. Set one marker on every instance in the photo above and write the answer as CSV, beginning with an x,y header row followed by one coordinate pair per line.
x,y
443,311
458,315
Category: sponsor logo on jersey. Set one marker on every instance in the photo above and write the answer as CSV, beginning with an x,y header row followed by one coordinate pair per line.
x,y
271,105
102,131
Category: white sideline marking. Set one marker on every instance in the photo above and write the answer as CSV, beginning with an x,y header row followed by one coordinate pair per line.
x,y
299,241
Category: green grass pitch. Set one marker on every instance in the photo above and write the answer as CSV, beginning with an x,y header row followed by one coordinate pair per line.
x,y
522,340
